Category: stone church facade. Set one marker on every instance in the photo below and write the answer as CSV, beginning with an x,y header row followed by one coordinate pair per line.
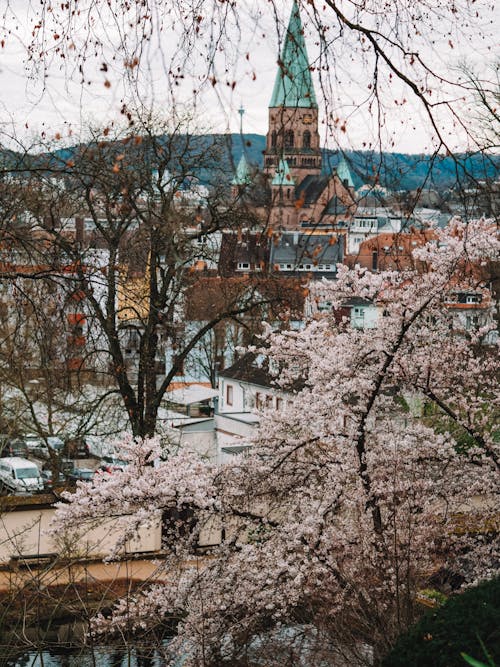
x,y
302,194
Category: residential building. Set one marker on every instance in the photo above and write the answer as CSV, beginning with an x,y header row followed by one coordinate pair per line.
x,y
246,389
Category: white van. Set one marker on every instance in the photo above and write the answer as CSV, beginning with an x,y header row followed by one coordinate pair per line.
x,y
20,475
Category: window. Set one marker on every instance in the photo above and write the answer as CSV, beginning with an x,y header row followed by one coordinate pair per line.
x,y
25,473
243,266
473,298
289,139
274,137
258,401
364,224
325,306
471,322
229,394
306,139
279,404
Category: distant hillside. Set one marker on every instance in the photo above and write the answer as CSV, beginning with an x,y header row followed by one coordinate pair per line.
x,y
396,171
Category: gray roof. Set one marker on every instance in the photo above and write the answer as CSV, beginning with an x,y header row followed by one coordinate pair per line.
x,y
335,207
298,248
357,301
310,188
250,368
254,369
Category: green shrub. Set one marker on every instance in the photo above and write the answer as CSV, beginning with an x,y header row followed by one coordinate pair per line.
x,y
461,625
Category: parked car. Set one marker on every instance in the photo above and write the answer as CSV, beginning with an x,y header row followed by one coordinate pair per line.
x,y
13,447
76,447
32,440
65,466
20,475
84,474
112,463
40,446
48,478
55,442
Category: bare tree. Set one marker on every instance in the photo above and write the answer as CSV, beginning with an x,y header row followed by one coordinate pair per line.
x,y
122,225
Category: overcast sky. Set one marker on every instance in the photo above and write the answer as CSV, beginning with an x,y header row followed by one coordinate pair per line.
x,y
52,98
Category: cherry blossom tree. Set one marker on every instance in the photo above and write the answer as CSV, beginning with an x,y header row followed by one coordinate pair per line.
x,y
348,500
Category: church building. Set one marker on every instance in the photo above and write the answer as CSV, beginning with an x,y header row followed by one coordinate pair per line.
x,y
310,210
303,194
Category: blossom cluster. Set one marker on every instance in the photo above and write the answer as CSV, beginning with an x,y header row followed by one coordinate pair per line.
x,y
381,472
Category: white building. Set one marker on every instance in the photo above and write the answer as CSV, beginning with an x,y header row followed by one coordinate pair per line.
x,y
245,390
368,222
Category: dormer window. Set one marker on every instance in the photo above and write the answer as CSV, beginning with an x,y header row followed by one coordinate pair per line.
x,y
243,266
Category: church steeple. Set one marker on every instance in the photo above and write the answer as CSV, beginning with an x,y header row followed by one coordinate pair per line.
x,y
293,86
242,175
293,110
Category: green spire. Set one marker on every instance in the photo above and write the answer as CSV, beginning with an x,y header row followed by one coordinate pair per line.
x,y
344,173
283,175
293,86
242,176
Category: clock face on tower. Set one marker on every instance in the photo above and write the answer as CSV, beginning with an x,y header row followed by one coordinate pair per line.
x,y
307,120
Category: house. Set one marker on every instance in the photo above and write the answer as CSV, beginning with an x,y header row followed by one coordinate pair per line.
x,y
370,222
186,418
388,251
361,313
306,254
243,252
246,388
473,310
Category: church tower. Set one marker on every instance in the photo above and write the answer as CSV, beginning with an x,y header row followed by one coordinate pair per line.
x,y
293,137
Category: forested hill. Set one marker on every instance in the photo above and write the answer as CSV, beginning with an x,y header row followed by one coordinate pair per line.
x,y
396,171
